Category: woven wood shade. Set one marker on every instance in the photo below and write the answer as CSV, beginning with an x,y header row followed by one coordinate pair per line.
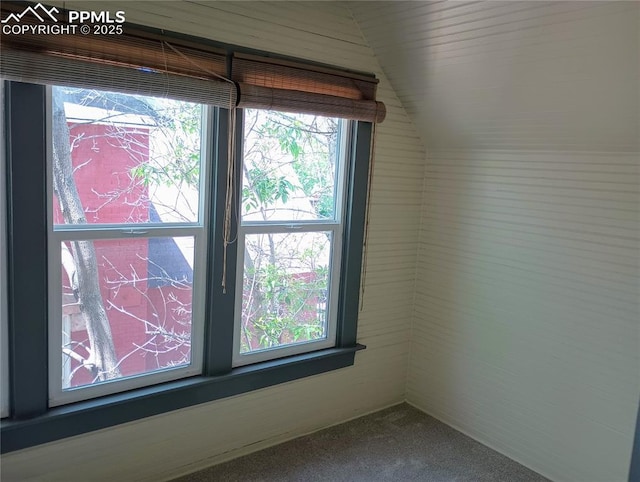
x,y
37,68
267,83
140,62
134,62
309,103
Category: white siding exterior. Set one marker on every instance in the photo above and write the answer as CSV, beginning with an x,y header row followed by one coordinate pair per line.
x,y
164,446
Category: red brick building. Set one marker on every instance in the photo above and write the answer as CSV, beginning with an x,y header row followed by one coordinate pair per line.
x,y
145,282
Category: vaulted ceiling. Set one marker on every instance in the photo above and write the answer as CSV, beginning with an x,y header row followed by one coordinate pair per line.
x,y
512,75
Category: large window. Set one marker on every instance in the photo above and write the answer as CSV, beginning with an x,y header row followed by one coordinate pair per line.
x,y
173,237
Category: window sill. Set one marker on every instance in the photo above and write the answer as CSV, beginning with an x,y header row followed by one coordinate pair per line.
x,y
82,417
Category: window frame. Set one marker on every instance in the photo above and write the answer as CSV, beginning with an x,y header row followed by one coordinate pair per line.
x,y
335,225
32,421
58,233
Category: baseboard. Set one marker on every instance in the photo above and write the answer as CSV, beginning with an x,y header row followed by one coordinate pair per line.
x,y
254,447
454,426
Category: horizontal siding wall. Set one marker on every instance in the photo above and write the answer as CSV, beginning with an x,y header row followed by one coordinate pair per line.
x,y
175,443
527,316
527,319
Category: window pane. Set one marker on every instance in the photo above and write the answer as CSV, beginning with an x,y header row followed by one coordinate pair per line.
x,y
285,289
126,307
290,166
130,159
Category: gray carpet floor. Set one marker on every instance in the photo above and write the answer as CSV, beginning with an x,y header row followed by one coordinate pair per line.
x,y
397,444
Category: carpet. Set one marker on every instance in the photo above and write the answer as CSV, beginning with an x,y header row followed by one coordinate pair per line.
x,y
400,443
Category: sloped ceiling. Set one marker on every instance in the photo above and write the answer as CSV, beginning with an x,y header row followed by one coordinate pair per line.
x,y
512,75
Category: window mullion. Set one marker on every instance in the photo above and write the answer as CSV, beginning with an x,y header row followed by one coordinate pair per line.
x,y
220,306
27,243
352,248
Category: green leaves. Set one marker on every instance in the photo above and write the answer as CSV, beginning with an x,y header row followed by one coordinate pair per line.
x,y
175,159
285,304
302,148
173,174
264,189
288,132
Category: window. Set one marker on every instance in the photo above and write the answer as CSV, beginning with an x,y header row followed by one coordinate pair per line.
x,y
290,234
175,237
127,241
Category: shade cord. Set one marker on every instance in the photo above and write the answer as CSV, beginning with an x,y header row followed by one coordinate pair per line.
x,y
365,245
228,206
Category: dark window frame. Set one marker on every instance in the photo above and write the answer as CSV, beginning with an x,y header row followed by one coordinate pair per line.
x,y
31,422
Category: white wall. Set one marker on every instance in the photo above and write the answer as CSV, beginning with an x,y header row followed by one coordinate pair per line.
x,y
185,440
527,324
